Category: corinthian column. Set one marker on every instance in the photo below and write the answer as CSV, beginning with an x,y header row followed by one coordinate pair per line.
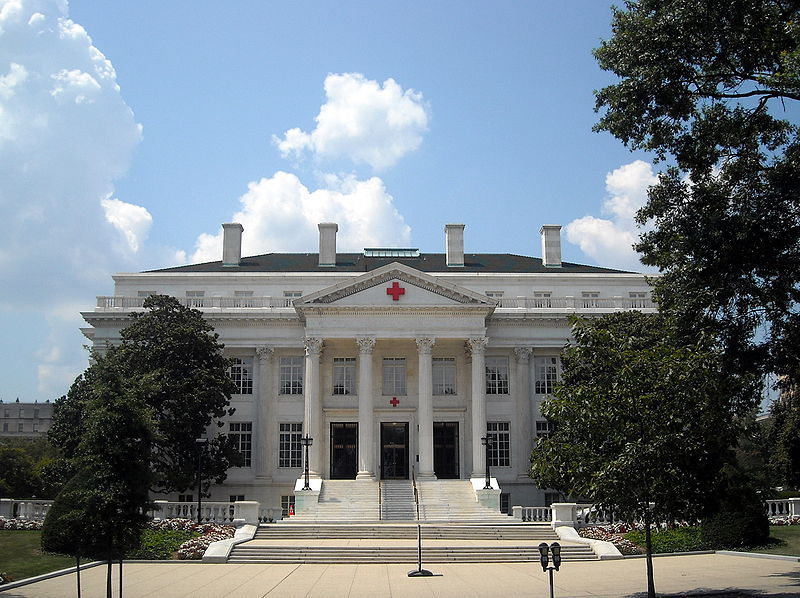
x,y
312,424
523,402
366,431
425,408
263,404
477,347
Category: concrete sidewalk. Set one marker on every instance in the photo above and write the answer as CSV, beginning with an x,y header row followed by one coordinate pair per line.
x,y
610,579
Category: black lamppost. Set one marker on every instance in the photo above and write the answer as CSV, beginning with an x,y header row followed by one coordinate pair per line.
x,y
487,442
306,441
201,445
544,558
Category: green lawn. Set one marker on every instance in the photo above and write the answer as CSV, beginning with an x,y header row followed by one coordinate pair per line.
x,y
21,555
787,540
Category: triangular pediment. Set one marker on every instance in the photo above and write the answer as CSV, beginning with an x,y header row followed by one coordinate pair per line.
x,y
395,285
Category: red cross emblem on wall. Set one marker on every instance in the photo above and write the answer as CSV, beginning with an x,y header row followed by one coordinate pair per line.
x,y
394,402
395,291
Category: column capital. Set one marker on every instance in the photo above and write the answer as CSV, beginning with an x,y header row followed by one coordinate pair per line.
x,y
313,345
264,353
523,354
477,344
425,344
365,344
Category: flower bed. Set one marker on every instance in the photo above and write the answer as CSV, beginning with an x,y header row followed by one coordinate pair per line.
x,y
785,520
19,524
611,533
194,548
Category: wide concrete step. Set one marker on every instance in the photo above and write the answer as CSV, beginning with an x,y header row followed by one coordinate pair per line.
x,y
377,554
521,531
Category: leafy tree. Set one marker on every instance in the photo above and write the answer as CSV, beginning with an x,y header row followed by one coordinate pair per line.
x,y
708,85
784,440
176,360
16,473
102,510
640,418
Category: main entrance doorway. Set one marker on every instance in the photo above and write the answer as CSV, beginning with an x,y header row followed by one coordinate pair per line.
x,y
394,450
445,450
344,450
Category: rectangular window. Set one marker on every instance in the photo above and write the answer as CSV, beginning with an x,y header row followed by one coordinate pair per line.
x,y
637,300
544,428
5,427
344,375
542,299
500,451
494,294
145,294
243,299
241,372
590,299
290,296
195,298
35,427
444,376
235,497
291,375
186,498
36,413
286,502
497,375
20,427
242,433
394,376
290,450
6,413
22,413
545,372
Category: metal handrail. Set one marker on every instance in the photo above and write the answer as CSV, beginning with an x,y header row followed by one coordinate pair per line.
x,y
380,500
416,494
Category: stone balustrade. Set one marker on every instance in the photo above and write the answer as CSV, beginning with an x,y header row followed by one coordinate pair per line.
x,y
539,514
786,507
26,509
547,304
232,513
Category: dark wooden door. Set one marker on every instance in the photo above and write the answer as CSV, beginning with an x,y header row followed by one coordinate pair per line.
x,y
394,450
445,450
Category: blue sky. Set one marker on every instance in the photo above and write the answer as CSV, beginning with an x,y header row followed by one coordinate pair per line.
x,y
129,131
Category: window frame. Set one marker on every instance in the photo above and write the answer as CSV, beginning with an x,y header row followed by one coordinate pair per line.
x,y
346,366
243,432
446,368
291,375
500,451
396,384
237,373
290,449
497,382
546,375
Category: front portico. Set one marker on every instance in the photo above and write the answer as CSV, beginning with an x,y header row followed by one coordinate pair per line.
x,y
403,319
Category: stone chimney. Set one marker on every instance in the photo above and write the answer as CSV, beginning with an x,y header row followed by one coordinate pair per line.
x,y
454,239
232,244
551,245
327,243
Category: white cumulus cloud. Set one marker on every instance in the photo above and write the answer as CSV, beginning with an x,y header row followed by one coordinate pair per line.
x,y
66,135
281,214
609,241
362,120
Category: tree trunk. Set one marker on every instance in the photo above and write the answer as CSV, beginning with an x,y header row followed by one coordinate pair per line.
x,y
78,571
120,578
651,587
108,579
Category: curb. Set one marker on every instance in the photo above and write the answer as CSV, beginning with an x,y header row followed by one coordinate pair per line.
x,y
43,576
760,555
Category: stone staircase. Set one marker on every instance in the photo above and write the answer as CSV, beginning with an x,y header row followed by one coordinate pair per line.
x,y
345,500
397,501
397,543
454,501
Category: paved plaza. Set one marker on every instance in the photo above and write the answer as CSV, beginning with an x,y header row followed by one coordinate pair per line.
x,y
674,574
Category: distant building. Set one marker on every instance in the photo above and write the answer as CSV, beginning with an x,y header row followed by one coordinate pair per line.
x,y
25,420
390,359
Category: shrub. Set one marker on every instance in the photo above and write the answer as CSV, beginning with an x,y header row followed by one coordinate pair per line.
x,y
729,529
160,544
679,539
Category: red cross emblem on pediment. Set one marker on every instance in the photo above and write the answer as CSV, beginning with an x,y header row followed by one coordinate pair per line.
x,y
394,402
395,291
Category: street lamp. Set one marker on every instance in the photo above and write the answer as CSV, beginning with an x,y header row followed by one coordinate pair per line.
x,y
544,559
306,441
487,442
201,445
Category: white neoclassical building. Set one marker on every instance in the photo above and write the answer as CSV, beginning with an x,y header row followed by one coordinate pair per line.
x,y
392,360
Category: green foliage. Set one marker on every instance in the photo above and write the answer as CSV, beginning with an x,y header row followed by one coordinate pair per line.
x,y
175,366
23,463
160,544
712,95
739,520
101,511
784,440
639,418
679,539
